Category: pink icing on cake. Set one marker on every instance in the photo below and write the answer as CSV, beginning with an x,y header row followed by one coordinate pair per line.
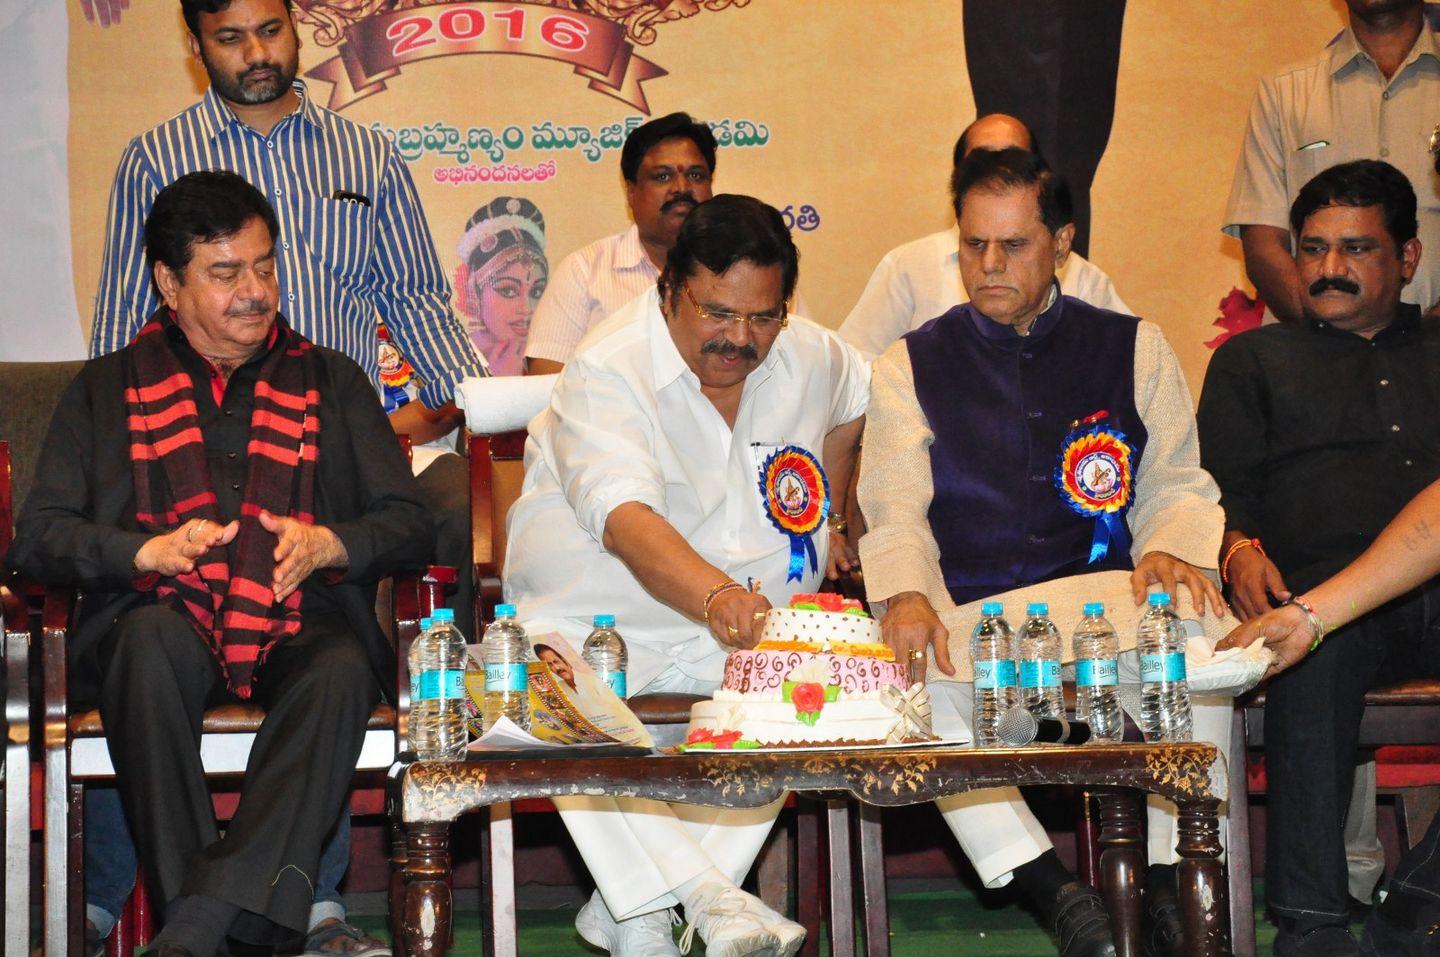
x,y
750,672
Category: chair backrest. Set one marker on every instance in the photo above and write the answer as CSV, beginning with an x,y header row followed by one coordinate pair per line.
x,y
29,393
497,471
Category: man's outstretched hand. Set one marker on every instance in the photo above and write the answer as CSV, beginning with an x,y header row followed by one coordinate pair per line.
x,y
175,553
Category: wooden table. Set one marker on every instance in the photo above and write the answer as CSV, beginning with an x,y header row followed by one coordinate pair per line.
x,y
425,798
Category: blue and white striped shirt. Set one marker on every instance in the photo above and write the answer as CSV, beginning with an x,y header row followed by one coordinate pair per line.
x,y
342,266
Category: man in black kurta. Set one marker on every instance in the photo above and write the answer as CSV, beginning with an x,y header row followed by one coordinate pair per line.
x,y
1318,433
191,600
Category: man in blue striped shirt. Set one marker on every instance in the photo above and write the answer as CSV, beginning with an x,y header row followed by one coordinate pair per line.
x,y
353,249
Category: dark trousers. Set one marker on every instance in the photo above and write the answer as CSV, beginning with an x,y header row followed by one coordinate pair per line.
x,y
1052,64
445,490
317,690
1312,730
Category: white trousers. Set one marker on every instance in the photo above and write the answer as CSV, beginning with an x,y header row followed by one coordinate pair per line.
x,y
997,830
639,851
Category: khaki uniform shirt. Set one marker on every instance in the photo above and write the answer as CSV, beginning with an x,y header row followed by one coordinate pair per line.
x,y
1334,108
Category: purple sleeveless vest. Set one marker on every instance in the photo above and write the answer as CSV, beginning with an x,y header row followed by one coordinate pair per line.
x,y
1001,407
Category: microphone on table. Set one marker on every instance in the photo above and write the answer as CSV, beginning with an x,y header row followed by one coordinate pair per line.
x,y
1019,727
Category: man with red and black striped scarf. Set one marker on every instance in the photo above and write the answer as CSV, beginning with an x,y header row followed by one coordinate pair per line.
x,y
225,494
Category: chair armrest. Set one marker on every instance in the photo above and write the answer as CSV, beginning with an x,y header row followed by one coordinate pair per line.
x,y
17,670
54,631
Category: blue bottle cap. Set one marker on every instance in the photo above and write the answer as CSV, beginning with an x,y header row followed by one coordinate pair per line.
x,y
504,611
443,614
1159,598
1037,608
991,608
604,621
425,623
1094,608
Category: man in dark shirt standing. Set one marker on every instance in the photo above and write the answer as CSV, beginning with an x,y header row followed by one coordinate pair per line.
x,y
1318,434
226,494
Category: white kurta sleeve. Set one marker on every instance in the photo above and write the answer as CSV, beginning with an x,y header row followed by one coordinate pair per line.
x,y
1177,503
883,312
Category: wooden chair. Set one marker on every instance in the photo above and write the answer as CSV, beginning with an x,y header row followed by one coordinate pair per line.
x,y
1401,727
15,771
75,751
496,475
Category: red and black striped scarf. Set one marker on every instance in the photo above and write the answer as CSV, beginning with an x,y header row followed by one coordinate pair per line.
x,y
228,597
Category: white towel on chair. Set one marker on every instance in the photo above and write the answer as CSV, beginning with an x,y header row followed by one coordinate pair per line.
x,y
497,404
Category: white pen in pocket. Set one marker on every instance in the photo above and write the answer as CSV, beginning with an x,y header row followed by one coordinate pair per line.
x,y
1317,145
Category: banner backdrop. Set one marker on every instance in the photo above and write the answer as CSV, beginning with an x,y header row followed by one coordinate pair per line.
x,y
842,114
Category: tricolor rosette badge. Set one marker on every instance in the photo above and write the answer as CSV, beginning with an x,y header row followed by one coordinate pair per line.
x,y
797,500
1095,478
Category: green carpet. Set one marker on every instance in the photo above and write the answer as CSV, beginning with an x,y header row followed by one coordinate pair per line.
x,y
923,922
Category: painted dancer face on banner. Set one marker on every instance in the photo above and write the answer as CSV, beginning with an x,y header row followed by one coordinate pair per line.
x,y
225,297
672,180
250,51
1008,257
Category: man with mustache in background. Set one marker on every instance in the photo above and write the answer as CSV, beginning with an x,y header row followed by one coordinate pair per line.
x,y
1318,433
668,165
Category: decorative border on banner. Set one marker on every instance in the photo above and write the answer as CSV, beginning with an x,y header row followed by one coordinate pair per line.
x,y
373,50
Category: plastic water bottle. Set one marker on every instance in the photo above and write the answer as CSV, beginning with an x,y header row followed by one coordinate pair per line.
x,y
437,689
1039,658
992,651
605,653
505,651
1097,675
1164,691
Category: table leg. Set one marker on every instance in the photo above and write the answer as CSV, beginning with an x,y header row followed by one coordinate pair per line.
x,y
842,904
1122,863
874,906
425,922
1203,907
398,859
808,878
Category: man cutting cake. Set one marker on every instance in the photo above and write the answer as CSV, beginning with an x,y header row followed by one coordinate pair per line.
x,y
690,452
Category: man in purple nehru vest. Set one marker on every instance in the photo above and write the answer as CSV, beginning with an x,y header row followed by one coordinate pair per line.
x,y
1023,447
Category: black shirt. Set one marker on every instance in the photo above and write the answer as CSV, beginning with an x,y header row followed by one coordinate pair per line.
x,y
1318,437
79,528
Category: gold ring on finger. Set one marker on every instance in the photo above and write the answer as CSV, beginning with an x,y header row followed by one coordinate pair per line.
x,y
734,632
190,533
758,615
916,654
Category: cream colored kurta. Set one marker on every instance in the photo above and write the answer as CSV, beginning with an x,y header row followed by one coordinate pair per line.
x,y
1177,504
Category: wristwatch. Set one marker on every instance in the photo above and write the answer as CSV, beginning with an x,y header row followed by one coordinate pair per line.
x,y
837,523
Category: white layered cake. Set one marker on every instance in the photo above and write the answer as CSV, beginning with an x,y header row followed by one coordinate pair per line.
x,y
819,675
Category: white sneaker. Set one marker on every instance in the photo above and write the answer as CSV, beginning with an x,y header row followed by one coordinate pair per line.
x,y
648,935
791,934
732,923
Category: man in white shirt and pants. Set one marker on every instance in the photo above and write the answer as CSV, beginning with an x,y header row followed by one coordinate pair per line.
x,y
919,280
643,498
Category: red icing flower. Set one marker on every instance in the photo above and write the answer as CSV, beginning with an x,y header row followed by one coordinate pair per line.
x,y
726,739
720,739
808,696
699,736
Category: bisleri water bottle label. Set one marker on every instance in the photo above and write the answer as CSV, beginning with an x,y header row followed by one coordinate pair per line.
x,y
1040,674
616,681
446,684
1097,672
509,677
995,673
1167,667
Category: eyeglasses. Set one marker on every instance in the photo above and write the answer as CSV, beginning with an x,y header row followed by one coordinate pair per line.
x,y
760,323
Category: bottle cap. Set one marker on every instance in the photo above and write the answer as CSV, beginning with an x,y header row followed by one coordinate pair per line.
x,y
504,611
1037,608
1159,598
1094,608
604,621
425,623
992,608
443,614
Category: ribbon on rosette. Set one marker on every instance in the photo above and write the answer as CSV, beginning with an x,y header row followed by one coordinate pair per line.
x,y
796,493
1095,479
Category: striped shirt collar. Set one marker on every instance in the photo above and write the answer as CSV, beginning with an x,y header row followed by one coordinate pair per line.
x,y
218,117
630,254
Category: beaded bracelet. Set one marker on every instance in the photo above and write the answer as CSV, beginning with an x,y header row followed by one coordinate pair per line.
x,y
1317,627
1230,553
716,592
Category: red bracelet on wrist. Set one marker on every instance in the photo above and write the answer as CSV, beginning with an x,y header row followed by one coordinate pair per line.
x,y
1230,553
